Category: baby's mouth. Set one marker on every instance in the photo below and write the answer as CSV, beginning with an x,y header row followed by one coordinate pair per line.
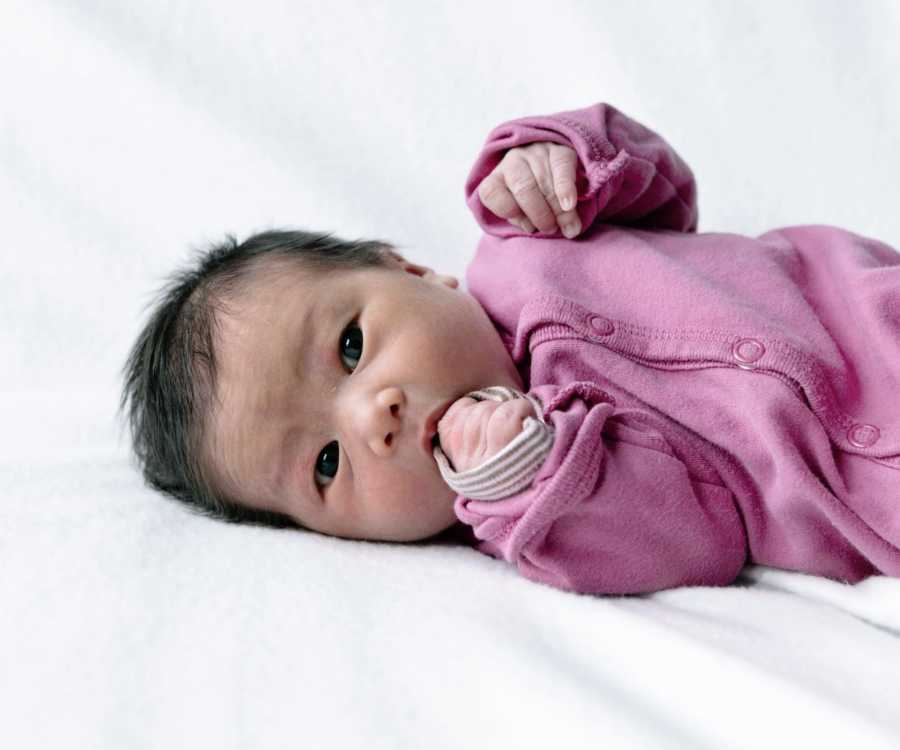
x,y
429,443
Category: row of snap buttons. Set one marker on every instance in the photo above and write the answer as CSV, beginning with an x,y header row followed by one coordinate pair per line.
x,y
747,351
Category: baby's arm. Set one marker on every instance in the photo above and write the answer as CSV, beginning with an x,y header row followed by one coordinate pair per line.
x,y
626,173
612,509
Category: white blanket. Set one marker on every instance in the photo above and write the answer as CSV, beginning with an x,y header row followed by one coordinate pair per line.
x,y
131,132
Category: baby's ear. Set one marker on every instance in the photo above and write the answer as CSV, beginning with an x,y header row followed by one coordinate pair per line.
x,y
398,261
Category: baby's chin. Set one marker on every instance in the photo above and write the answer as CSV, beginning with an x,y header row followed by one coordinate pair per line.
x,y
398,535
437,516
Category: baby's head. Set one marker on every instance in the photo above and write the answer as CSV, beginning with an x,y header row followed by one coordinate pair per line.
x,y
287,380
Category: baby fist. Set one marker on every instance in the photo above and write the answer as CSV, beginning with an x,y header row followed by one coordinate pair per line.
x,y
535,186
472,431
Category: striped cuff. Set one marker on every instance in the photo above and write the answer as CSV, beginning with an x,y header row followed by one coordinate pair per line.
x,y
514,467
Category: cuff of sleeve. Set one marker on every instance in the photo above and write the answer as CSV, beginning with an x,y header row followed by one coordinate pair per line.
x,y
513,468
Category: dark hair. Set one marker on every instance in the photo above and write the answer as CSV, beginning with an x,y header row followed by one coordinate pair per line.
x,y
170,374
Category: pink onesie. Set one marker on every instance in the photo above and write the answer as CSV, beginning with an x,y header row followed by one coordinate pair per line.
x,y
712,399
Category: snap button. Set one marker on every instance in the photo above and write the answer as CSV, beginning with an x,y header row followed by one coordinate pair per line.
x,y
863,435
601,325
746,351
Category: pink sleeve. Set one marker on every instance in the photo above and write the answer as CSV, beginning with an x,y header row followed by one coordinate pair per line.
x,y
627,174
613,510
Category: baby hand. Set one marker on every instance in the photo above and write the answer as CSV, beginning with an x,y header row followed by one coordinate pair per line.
x,y
529,185
472,431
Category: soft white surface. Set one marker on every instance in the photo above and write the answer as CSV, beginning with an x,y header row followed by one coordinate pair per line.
x,y
133,131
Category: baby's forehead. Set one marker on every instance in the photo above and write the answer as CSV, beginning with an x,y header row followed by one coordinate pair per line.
x,y
260,292
252,339
251,313
256,312
266,277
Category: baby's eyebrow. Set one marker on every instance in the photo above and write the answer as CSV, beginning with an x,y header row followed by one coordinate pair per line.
x,y
291,461
302,348
302,342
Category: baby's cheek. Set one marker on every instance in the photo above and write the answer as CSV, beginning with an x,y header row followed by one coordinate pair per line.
x,y
416,508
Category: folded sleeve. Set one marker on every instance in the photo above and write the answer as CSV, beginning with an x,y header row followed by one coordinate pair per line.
x,y
626,174
613,509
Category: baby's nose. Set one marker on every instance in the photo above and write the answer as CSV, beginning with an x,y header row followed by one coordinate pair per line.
x,y
386,420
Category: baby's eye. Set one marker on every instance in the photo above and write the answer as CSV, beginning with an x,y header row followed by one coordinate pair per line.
x,y
327,464
352,342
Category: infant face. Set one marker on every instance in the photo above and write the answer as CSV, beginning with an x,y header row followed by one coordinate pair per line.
x,y
325,383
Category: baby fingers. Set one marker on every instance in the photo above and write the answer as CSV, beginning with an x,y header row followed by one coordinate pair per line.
x,y
534,187
497,197
530,185
563,161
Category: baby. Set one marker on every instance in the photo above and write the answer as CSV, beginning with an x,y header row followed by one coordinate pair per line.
x,y
617,404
